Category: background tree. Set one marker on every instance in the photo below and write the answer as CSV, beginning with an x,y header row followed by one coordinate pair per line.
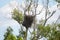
x,y
17,15
8,35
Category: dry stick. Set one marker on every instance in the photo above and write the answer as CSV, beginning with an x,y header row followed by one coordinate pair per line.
x,y
46,13
28,7
51,14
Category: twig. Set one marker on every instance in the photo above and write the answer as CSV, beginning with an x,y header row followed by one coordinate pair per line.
x,y
40,11
27,8
51,14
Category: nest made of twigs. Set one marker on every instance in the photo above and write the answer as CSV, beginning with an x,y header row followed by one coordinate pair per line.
x,y
28,20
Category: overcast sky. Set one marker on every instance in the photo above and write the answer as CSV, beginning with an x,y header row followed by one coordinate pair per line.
x,y
6,20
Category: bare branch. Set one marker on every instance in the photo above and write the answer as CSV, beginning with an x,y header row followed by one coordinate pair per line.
x,y
40,11
30,32
49,17
27,8
51,14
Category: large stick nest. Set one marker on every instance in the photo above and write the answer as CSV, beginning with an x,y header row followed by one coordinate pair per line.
x,y
28,20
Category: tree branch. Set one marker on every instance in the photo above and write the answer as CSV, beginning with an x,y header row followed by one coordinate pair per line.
x,y
28,7
40,11
51,14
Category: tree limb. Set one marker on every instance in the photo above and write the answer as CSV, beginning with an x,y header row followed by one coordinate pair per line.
x,y
51,14
40,11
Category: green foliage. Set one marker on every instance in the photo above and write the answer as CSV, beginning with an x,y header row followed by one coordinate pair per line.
x,y
57,1
55,35
50,32
17,15
8,35
22,33
59,25
44,30
20,38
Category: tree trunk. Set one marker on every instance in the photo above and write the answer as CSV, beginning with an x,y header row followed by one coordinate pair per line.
x,y
25,37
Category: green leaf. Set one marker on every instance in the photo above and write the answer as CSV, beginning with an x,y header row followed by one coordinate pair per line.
x,y
17,16
20,38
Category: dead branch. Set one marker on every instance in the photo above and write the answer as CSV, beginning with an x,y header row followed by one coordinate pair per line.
x,y
26,9
51,14
40,11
